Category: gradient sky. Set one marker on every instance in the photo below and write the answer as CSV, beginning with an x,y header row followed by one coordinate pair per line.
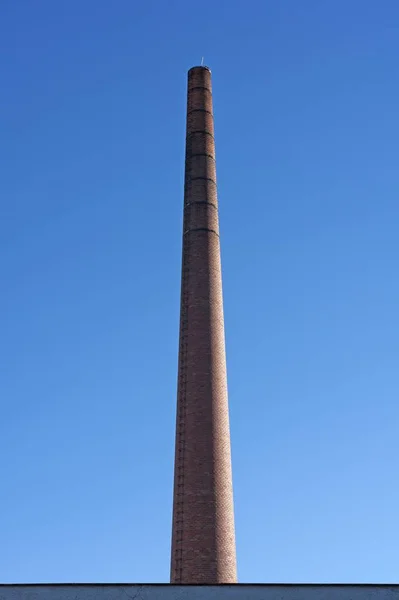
x,y
92,118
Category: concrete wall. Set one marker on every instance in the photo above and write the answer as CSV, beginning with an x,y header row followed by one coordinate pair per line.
x,y
170,592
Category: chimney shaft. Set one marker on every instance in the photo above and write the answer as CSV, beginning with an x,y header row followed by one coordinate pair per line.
x,y
203,538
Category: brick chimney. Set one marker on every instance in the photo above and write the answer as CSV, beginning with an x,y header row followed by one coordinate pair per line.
x,y
203,538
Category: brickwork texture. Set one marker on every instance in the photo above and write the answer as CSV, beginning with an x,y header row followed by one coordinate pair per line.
x,y
203,537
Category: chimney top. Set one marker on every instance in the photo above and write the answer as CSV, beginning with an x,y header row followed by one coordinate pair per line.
x,y
201,67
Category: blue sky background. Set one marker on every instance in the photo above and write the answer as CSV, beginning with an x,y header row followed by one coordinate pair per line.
x,y
91,184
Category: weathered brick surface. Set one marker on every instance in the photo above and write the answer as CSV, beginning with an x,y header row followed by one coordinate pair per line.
x,y
203,539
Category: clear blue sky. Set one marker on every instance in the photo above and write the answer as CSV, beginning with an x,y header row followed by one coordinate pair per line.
x,y
91,170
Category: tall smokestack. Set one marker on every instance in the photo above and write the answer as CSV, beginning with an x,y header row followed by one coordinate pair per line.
x,y
203,538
